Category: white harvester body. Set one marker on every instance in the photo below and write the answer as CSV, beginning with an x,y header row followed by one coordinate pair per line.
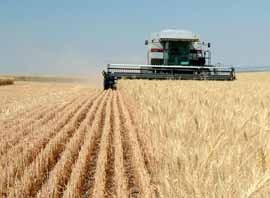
x,y
171,54
159,47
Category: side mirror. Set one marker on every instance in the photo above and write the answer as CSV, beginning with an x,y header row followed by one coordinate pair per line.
x,y
209,45
146,42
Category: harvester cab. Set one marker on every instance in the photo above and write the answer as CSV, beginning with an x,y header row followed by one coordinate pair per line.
x,y
177,47
171,54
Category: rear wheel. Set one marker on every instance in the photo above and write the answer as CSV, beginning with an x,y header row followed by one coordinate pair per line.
x,y
109,82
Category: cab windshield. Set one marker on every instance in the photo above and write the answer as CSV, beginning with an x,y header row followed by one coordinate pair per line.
x,y
177,52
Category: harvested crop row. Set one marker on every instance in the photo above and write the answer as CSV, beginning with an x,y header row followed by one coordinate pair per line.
x,y
16,160
35,175
143,138
88,147
84,169
34,112
34,115
59,176
110,163
22,97
115,165
138,177
100,174
119,180
24,129
43,133
109,185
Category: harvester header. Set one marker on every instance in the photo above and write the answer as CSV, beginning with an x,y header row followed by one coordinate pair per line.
x,y
171,54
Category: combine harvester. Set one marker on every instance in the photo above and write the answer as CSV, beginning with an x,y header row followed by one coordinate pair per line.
x,y
173,55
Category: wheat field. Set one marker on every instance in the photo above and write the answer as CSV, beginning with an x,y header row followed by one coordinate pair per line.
x,y
68,140
146,139
207,139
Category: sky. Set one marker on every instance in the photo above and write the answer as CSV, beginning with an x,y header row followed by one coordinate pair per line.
x,y
67,37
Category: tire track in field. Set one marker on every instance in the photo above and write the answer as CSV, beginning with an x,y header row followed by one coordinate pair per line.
x,y
36,173
15,163
82,174
60,174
